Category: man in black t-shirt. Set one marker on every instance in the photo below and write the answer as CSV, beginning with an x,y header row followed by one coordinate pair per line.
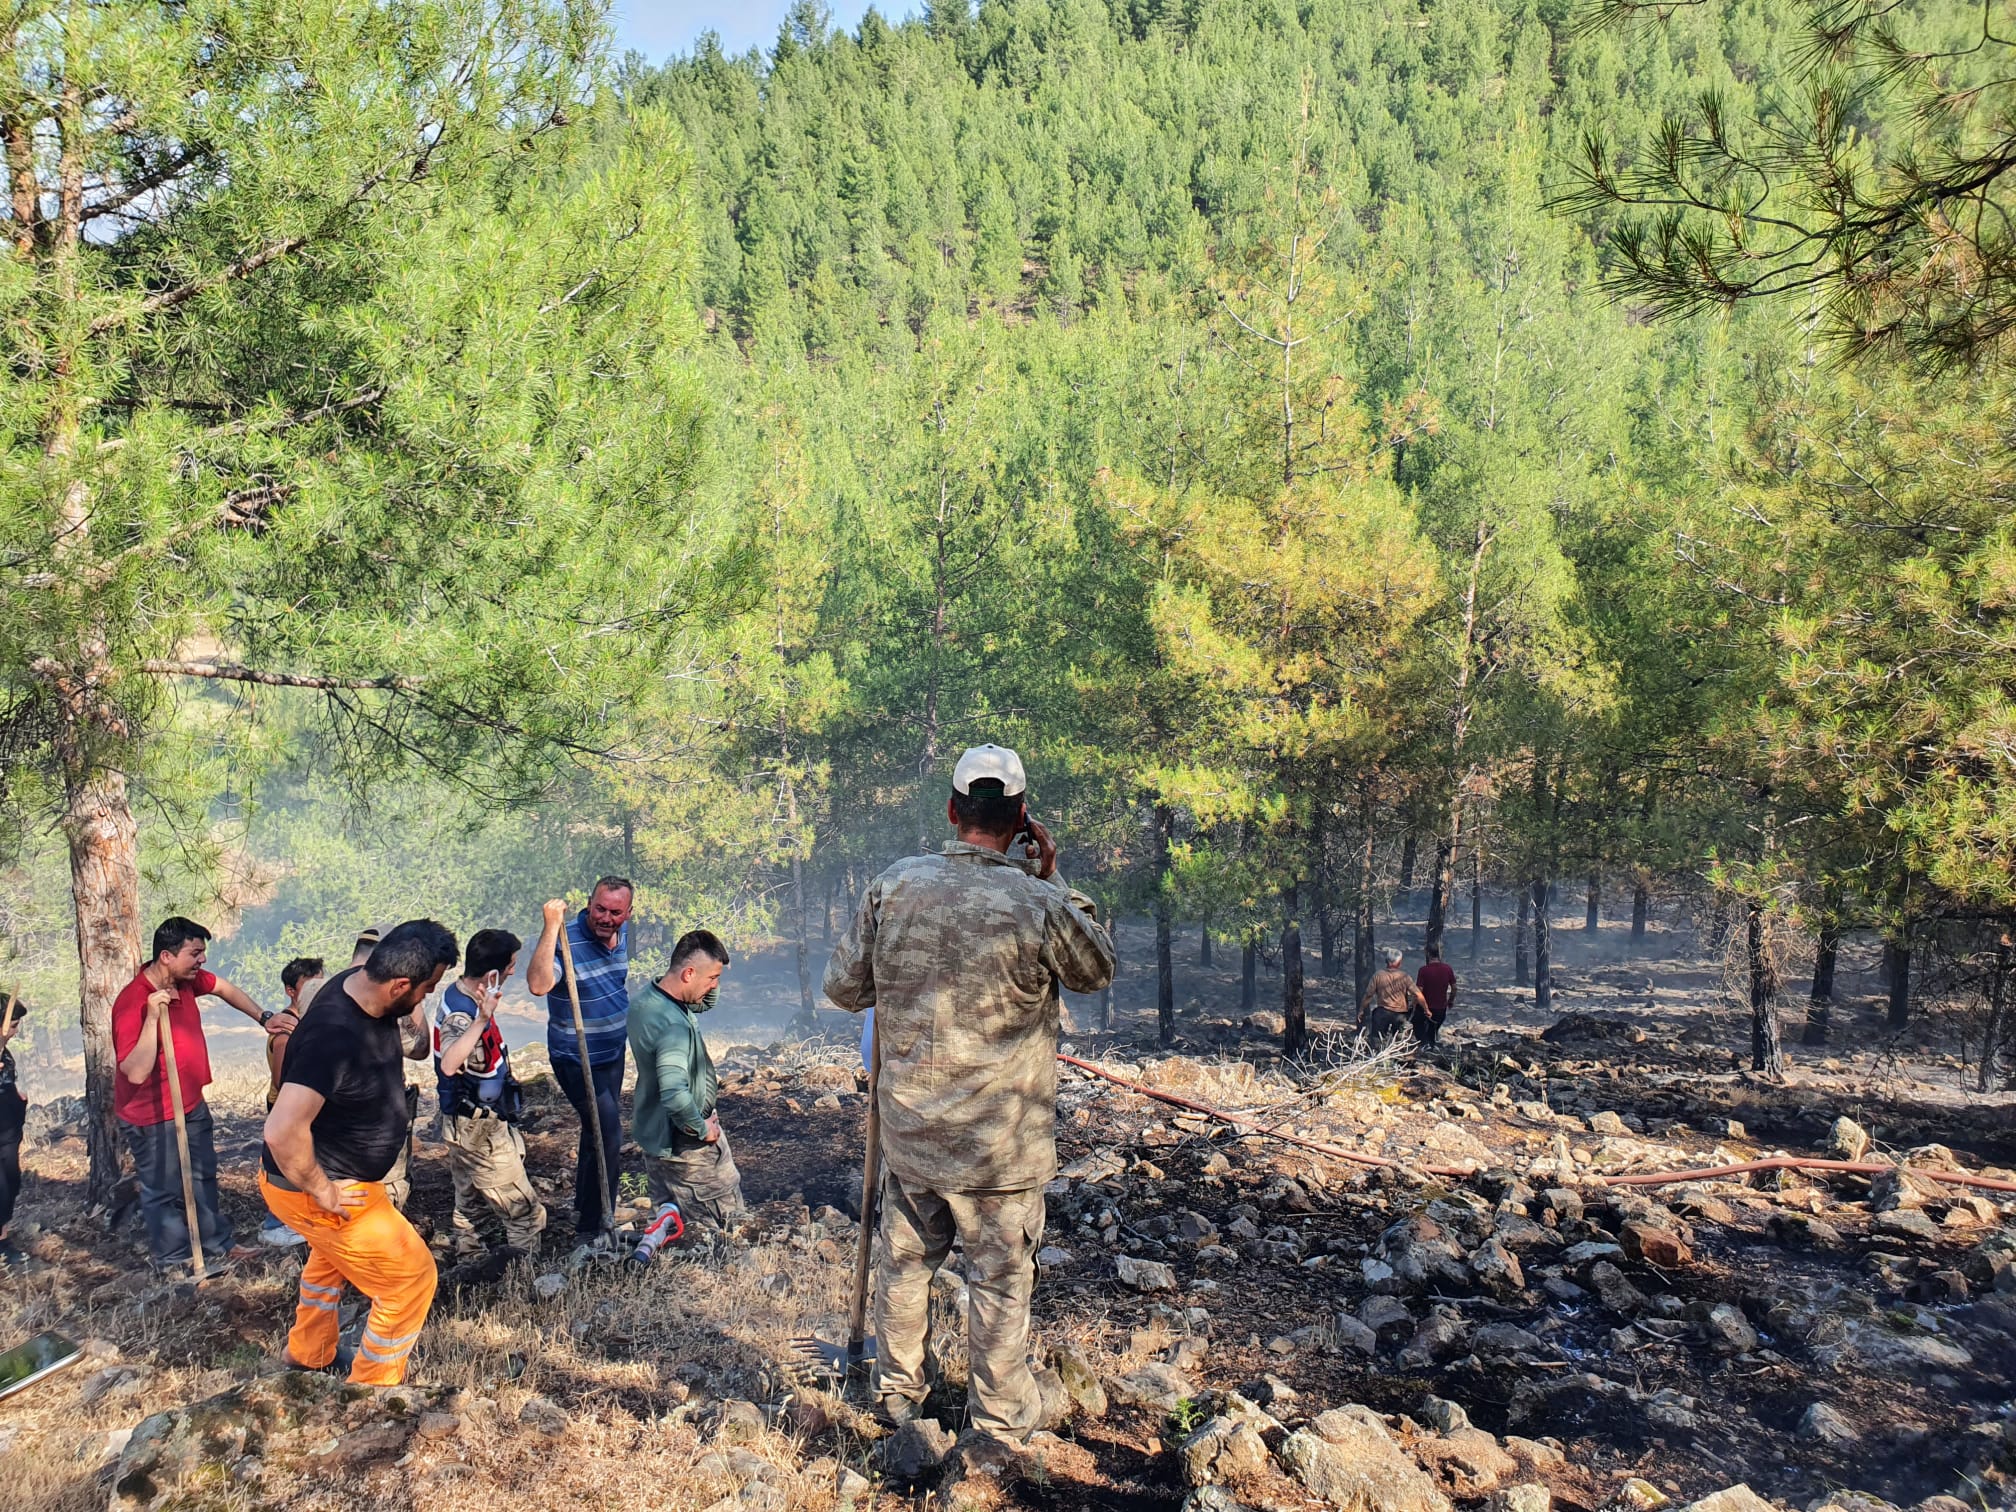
x,y
335,1131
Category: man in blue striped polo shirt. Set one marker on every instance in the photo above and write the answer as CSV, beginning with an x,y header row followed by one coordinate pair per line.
x,y
599,938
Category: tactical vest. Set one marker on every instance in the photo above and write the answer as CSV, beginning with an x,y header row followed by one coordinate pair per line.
x,y
462,1094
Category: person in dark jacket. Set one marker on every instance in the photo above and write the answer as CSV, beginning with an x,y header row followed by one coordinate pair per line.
x,y
13,1115
672,1115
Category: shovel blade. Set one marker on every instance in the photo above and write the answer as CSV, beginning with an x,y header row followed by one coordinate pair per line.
x,y
836,1361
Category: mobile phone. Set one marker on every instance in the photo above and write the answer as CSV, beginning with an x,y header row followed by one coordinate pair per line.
x,y
25,1364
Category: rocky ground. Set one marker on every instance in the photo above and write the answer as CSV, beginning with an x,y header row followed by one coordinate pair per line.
x,y
1226,1319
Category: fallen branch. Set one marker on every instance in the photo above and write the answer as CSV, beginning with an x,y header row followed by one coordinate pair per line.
x,y
1650,1178
1805,1163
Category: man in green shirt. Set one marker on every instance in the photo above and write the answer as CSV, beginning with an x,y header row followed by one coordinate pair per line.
x,y
672,1116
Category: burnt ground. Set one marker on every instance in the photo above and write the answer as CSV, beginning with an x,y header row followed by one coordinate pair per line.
x,y
1894,1308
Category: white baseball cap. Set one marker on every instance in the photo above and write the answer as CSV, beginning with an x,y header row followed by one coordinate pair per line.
x,y
982,762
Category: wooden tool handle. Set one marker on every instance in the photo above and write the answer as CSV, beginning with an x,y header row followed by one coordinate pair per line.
x,y
608,1202
166,1031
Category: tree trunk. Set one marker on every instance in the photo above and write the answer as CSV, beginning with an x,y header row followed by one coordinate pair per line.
x,y
1767,1054
1820,1001
1593,916
826,912
1900,981
1165,975
1543,945
105,888
1521,973
1640,901
1165,960
1204,945
807,1020
1476,900
1363,937
804,944
1998,999
1294,1025
1326,916
1450,840
1249,973
1886,964
1443,888
1407,847
1106,1006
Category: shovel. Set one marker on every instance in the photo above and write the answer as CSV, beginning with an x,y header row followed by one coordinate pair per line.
x,y
852,1359
166,1032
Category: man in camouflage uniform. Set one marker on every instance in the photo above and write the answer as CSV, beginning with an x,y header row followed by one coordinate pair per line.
x,y
961,955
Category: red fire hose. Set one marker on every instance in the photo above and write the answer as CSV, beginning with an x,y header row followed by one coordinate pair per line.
x,y
1652,1178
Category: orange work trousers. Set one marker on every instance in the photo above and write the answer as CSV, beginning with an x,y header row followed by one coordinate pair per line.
x,y
376,1250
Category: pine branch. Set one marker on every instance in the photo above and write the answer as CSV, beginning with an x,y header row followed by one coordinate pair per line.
x,y
233,672
115,201
168,299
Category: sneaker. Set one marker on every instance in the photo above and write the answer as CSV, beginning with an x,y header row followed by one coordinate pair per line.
x,y
277,1234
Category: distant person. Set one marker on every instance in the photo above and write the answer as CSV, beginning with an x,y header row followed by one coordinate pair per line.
x,y
1390,1001
165,992
599,937
13,1116
1437,981
333,1135
495,1201
301,978
674,1117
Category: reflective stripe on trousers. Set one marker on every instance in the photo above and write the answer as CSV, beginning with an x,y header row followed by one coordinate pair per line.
x,y
376,1250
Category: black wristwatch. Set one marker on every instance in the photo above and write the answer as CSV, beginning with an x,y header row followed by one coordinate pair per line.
x,y
266,1016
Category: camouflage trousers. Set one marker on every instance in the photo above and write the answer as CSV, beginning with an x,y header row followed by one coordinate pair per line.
x,y
1000,1232
704,1182
494,1199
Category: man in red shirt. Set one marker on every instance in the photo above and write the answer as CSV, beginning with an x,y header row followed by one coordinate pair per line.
x,y
1437,981
165,992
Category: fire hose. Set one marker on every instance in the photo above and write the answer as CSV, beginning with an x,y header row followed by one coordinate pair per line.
x,y
1650,1178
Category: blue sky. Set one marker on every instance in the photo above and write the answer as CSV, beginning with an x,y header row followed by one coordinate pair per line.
x,y
659,28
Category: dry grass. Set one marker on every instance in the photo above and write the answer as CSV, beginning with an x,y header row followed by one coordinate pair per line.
x,y
638,1360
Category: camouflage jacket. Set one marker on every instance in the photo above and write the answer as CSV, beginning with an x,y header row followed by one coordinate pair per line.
x,y
960,955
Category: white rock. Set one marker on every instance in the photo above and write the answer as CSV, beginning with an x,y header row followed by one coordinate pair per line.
x,y
1144,1275
1730,1499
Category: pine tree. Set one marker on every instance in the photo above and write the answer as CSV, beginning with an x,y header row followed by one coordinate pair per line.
x,y
313,383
